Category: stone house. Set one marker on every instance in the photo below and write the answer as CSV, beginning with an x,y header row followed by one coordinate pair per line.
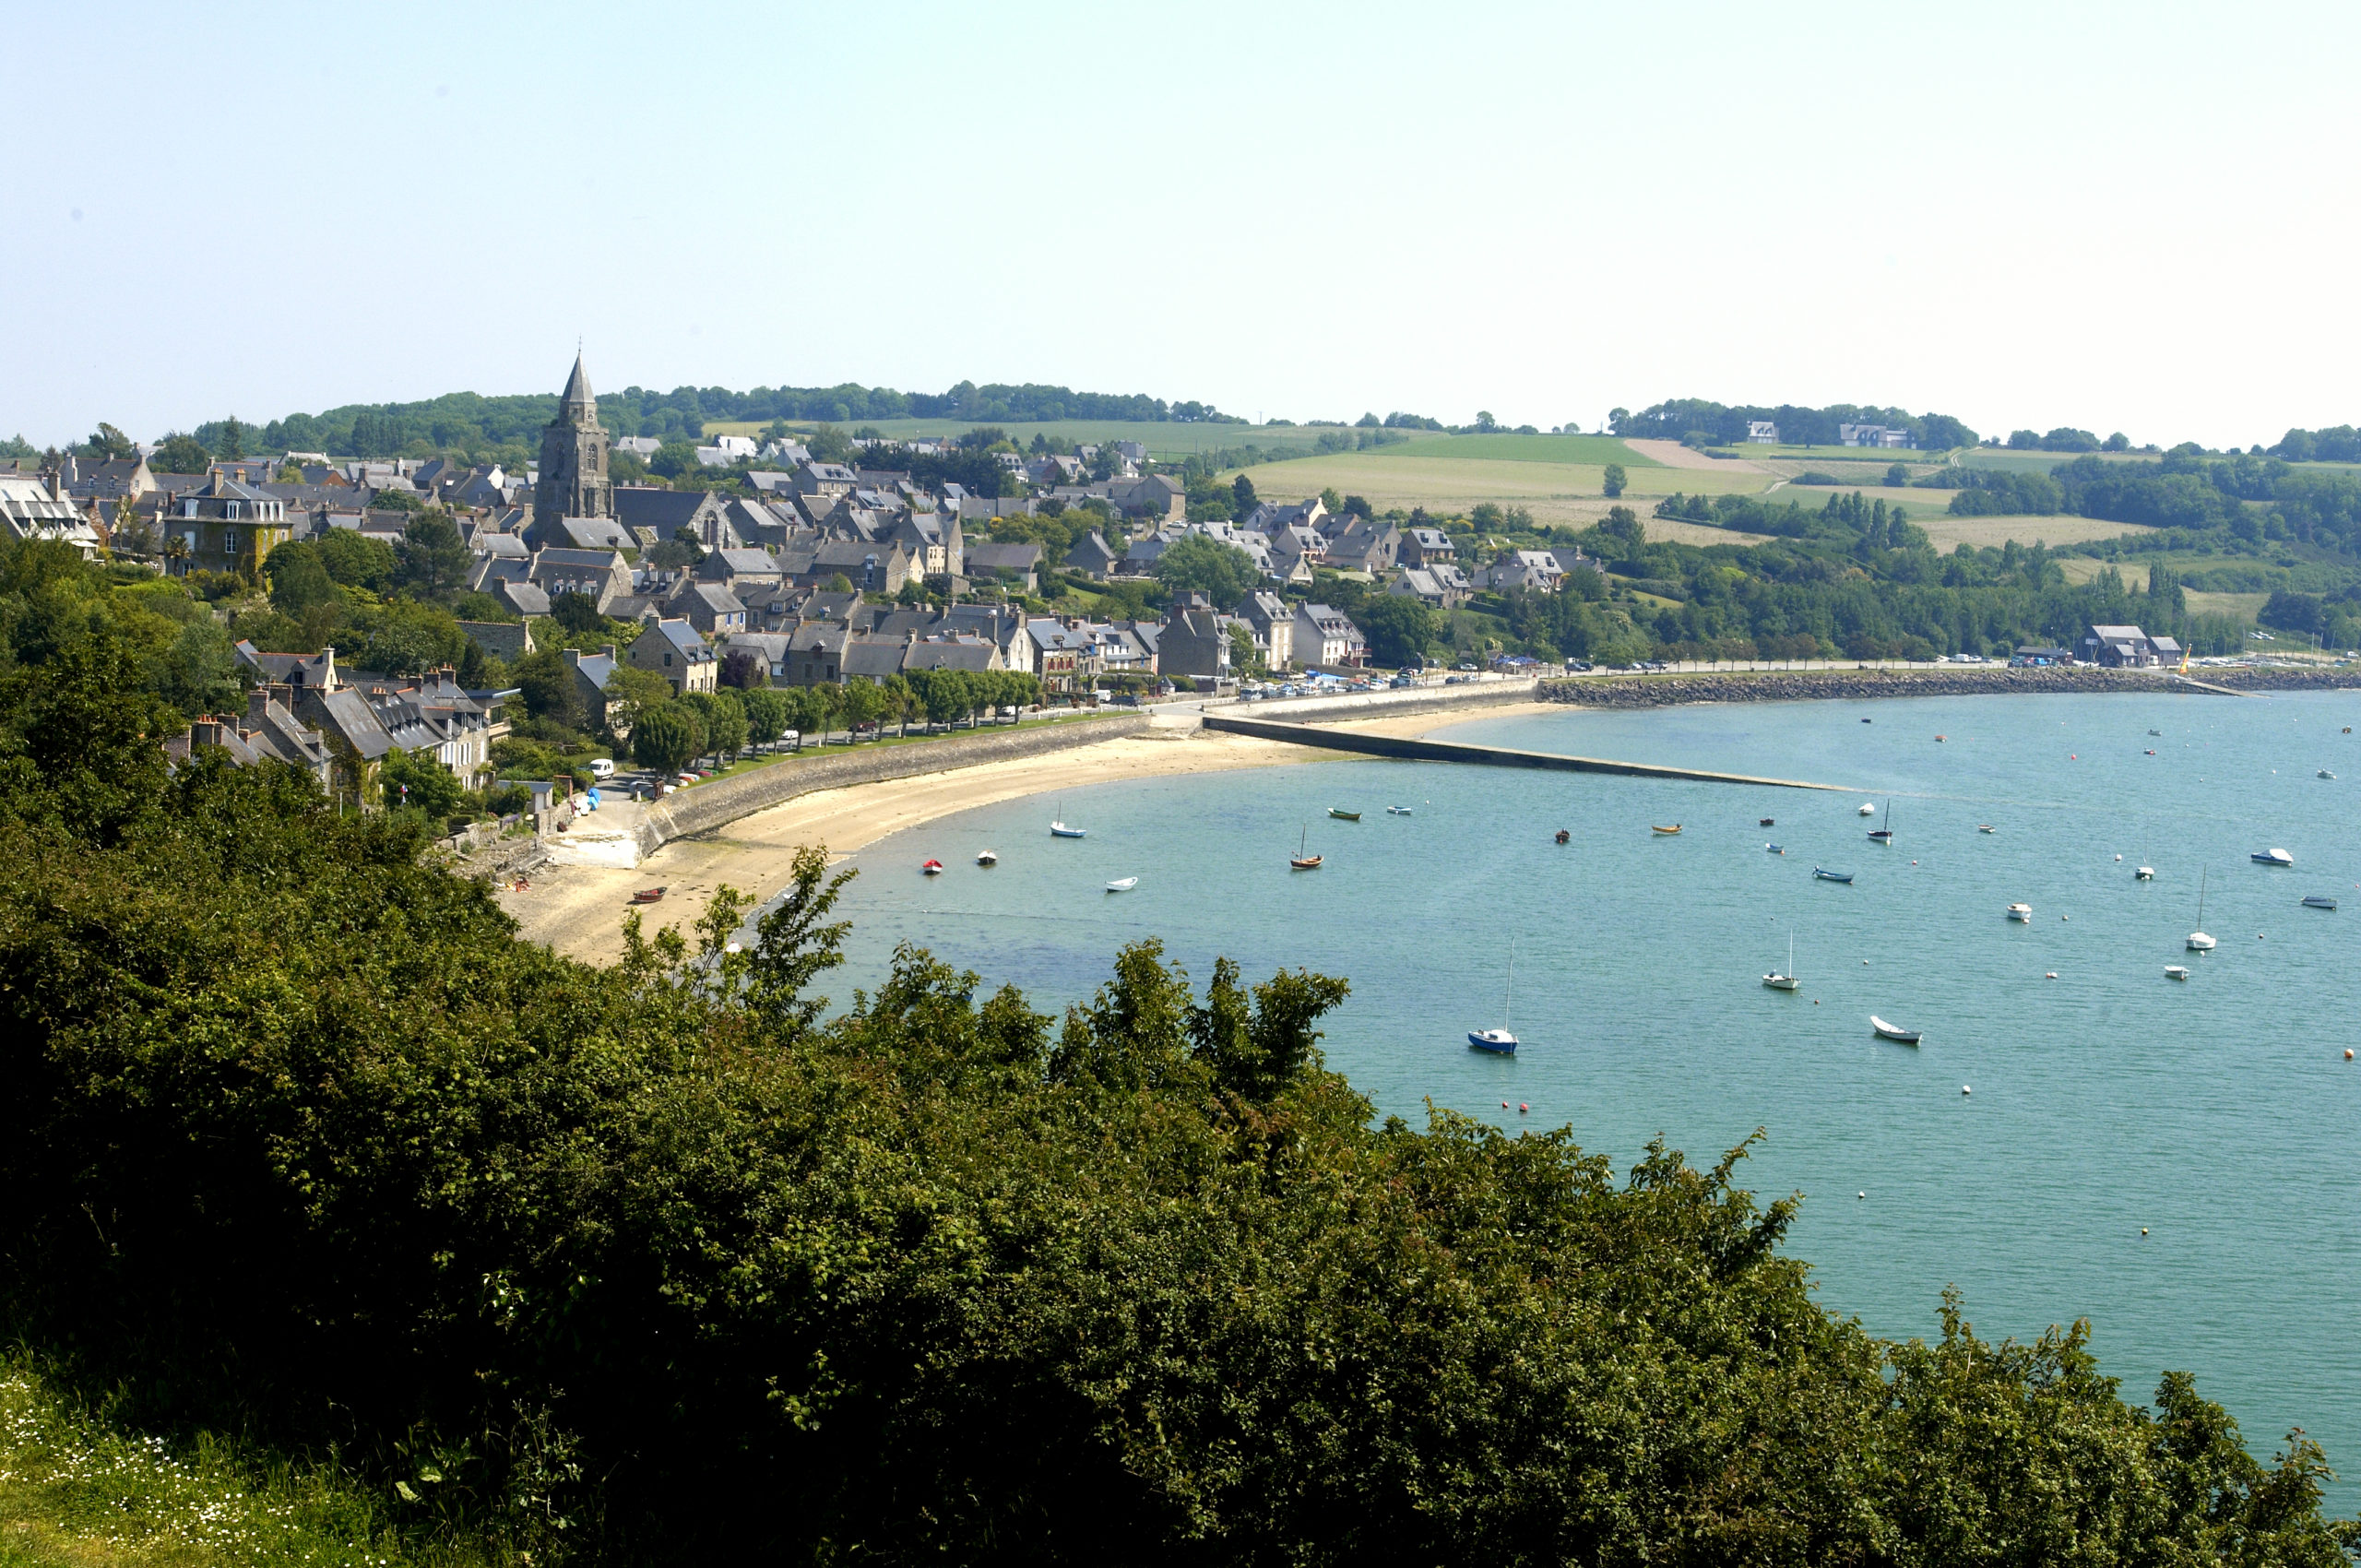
x,y
673,649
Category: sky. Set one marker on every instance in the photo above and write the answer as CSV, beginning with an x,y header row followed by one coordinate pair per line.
x,y
2134,217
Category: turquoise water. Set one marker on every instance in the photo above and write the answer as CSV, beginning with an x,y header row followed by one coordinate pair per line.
x,y
2219,1113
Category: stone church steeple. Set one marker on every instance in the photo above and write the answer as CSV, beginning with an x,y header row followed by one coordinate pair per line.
x,y
574,480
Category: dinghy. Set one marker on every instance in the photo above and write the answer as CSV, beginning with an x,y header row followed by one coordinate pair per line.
x,y
1122,884
1667,832
1341,814
1843,876
932,868
2021,912
2176,972
1894,1032
2319,901
987,858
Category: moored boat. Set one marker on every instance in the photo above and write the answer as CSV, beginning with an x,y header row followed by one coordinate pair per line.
x,y
1894,1032
1341,814
2021,912
1826,875
1667,832
648,896
1060,830
2176,972
1984,827
1499,1041
2145,874
1787,979
1300,861
1883,831
2271,858
2319,901
1866,810
1775,849
1398,811
2324,773
1122,884
932,868
2197,941
987,858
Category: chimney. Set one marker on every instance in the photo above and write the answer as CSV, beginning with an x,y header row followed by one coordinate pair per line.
x,y
573,657
608,651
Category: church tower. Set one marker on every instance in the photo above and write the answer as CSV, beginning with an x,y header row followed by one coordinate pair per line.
x,y
574,480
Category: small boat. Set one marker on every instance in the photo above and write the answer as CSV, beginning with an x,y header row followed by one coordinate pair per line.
x,y
1785,979
1883,831
2156,731
1894,1032
1301,862
2021,912
648,896
2324,773
2319,901
1843,876
2176,972
2197,941
1060,830
1775,849
932,868
1767,821
2273,857
1564,837
1984,827
2145,874
1122,884
1341,814
1867,809
1499,1041
987,858
1667,832
1398,811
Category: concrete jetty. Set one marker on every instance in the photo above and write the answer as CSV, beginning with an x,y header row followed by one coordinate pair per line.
x,y
1405,749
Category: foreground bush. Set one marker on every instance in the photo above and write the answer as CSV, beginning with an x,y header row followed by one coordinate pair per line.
x,y
661,1264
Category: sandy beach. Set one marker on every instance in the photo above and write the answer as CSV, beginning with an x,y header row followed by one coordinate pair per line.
x,y
578,910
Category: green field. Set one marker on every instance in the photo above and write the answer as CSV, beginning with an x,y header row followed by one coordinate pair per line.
x,y
1593,450
1163,438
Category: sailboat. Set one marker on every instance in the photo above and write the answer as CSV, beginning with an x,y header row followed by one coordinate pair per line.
x,y
1499,1041
1057,829
2197,941
1302,861
1883,831
1786,979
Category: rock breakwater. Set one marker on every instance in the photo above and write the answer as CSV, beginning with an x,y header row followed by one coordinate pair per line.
x,y
1805,685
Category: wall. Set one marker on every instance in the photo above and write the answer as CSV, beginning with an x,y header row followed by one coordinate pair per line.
x,y
1659,691
1403,748
1381,705
704,807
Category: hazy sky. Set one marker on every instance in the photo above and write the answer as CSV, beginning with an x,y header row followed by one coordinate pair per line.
x,y
2118,216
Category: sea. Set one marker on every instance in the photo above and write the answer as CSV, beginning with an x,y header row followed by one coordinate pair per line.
x,y
2078,1136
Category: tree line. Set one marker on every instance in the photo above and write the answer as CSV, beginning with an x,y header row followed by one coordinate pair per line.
x,y
1722,425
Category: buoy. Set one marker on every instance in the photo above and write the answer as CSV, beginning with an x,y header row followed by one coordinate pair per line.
x,y
2143,1231
1522,1108
2051,974
1504,1105
1861,1195
2118,857
2348,1053
2065,917
1965,1089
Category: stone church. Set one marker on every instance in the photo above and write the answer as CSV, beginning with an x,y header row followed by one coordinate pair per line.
x,y
574,482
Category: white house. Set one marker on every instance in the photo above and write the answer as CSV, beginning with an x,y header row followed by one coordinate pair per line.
x,y
1762,433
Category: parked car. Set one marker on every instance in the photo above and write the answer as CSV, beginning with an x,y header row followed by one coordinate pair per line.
x,y
602,767
1578,666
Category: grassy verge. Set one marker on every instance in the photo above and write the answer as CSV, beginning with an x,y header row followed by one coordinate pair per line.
x,y
918,736
75,1493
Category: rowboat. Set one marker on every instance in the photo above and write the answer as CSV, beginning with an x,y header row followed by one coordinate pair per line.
x,y
1845,876
2319,901
1894,1032
2176,972
1122,884
2021,912
1867,809
987,858
1775,849
1984,827
648,896
1667,832
1398,811
1341,814
2271,858
932,868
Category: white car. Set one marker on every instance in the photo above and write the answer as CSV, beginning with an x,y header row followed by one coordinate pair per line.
x,y
600,767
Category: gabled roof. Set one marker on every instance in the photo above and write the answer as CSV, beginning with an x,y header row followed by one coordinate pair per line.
x,y
683,637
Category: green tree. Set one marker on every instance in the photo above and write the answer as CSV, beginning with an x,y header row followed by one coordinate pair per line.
x,y
1223,573
863,703
299,578
1399,627
431,561
180,453
548,687
768,715
1243,659
666,739
1616,479
829,445
722,721
632,693
356,562
1242,499
106,444
418,782
899,700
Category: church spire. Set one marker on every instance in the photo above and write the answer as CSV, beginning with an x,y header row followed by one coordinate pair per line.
x,y
578,400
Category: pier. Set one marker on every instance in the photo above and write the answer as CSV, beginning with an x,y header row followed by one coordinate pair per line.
x,y
1406,750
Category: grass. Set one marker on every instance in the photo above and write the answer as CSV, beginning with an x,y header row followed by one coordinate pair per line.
x,y
1587,450
917,736
1553,493
75,1492
2245,607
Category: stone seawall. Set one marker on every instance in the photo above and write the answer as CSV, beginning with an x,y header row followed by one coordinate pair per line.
x,y
1386,704
1403,748
705,807
1807,684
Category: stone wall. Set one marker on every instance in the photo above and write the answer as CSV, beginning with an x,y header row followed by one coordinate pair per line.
x,y
1807,684
1386,704
704,807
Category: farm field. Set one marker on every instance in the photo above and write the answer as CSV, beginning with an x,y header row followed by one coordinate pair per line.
x,y
2244,606
1948,532
1553,493
1599,450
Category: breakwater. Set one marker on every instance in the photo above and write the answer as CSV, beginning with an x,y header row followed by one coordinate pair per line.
x,y
1804,685
1403,749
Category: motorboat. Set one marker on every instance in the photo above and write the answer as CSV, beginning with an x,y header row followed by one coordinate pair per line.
x,y
1883,832
2021,912
2273,857
1302,861
2197,941
1667,832
1563,837
1867,809
1122,884
2176,972
2156,731
1398,811
2145,874
1775,849
1341,814
2319,901
987,858
1499,1041
932,868
2324,773
1786,979
1826,875
1768,821
1984,827
1894,1032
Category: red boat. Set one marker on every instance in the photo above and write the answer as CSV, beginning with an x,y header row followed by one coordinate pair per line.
x,y
932,868
648,896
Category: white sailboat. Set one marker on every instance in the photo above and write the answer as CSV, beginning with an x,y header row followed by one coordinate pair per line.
x,y
1883,831
2197,941
1498,1040
1786,979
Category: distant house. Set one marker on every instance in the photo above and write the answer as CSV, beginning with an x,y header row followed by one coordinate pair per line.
x,y
1193,642
669,511
1091,557
2125,647
2037,656
1327,640
222,526
590,672
1364,546
1873,436
673,650
740,570
1441,588
1018,563
640,447
1425,547
712,608
1762,433
1271,621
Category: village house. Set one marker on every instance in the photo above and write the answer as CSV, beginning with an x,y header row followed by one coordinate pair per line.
x,y
1193,642
1271,623
1439,587
222,526
712,608
1016,565
1427,547
1327,640
1091,557
2127,648
672,648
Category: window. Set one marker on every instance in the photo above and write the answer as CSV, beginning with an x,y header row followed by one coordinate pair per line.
x,y
668,661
